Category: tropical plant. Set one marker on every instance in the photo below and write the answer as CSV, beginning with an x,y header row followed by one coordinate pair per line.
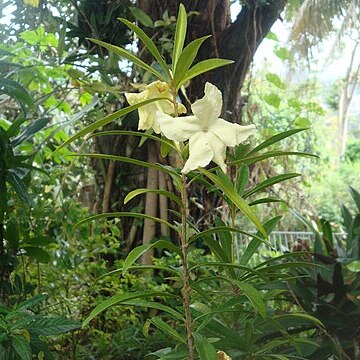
x,y
197,322
331,292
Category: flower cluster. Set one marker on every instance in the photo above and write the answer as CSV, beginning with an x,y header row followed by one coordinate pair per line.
x,y
208,134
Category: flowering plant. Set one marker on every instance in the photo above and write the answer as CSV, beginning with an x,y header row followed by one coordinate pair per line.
x,y
200,323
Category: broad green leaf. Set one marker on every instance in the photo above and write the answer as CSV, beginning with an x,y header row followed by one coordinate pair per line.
x,y
37,254
168,194
354,266
270,182
129,56
35,300
274,139
238,201
123,214
187,57
275,80
149,44
106,120
121,298
255,243
254,296
167,329
201,67
46,326
205,349
273,100
180,34
169,170
21,347
140,250
141,16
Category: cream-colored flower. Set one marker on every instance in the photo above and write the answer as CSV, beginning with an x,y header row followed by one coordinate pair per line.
x,y
208,135
147,113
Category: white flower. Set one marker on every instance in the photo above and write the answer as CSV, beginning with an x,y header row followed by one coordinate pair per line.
x,y
208,135
147,113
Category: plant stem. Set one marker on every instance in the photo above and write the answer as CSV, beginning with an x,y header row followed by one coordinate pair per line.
x,y
184,256
186,275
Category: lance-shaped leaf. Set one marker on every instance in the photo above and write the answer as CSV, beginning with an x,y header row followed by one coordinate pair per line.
x,y
202,67
168,194
205,349
180,34
149,44
123,214
237,200
129,56
106,120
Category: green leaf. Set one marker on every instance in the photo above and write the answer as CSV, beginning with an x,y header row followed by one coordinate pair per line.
x,y
154,305
167,169
238,201
201,67
274,139
356,196
187,57
266,201
167,329
146,135
140,250
301,316
180,34
149,44
219,229
269,182
37,254
30,303
17,92
275,80
45,326
282,53
254,296
168,194
123,214
129,56
18,185
106,120
121,298
255,243
242,179
302,122
354,266
141,16
22,347
273,100
271,154
12,235
33,128
205,349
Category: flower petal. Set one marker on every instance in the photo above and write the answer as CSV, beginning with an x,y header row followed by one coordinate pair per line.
x,y
219,150
178,128
208,109
200,151
231,134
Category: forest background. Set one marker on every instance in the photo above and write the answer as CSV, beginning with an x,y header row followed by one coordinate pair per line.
x,y
55,82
